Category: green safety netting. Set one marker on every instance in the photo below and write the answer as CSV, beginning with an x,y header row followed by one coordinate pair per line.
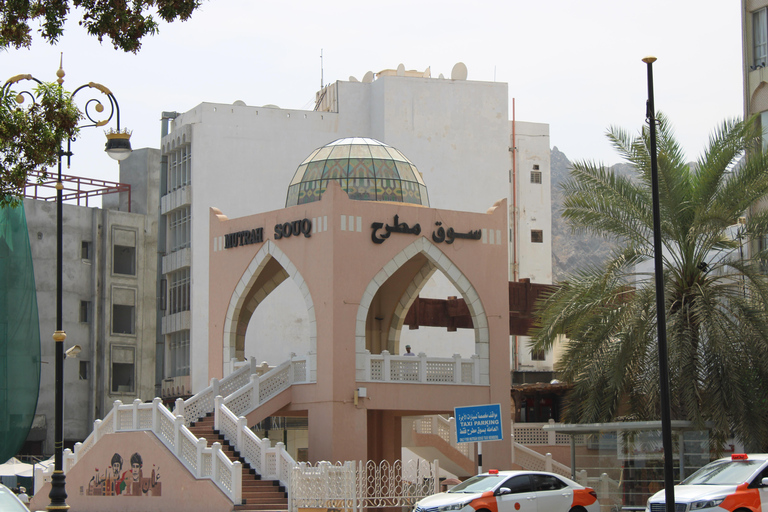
x,y
19,333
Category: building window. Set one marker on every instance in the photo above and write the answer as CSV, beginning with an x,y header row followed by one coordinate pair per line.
x,y
178,344
124,260
123,319
179,168
538,355
123,380
83,370
536,177
537,236
760,38
85,250
179,229
178,291
85,311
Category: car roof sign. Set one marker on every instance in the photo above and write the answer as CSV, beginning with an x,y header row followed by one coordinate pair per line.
x,y
739,456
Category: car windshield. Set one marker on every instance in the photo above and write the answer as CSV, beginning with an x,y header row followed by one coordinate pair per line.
x,y
9,502
724,473
480,483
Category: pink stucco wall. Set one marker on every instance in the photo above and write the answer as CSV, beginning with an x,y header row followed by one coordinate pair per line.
x,y
164,483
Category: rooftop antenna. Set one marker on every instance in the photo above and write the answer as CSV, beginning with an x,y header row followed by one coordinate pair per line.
x,y
321,69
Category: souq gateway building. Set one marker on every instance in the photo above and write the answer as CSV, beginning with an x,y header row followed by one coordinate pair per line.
x,y
359,264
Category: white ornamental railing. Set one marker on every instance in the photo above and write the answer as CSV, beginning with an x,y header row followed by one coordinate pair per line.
x,y
363,485
267,381
445,429
203,462
534,461
385,367
533,434
272,463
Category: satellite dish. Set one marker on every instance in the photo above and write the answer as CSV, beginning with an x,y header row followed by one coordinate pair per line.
x,y
368,78
441,77
459,71
269,105
428,73
239,103
400,70
353,79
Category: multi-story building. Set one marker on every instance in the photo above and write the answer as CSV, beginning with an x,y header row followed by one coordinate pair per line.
x,y
241,158
109,300
754,30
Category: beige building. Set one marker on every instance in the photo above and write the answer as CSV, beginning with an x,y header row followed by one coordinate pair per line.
x,y
109,300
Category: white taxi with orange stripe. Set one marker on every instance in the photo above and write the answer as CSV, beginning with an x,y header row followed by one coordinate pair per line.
x,y
738,483
513,491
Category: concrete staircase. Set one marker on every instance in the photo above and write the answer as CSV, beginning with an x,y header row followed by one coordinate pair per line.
x,y
258,495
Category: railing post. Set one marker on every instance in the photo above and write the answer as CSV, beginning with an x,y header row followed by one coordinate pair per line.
x,y
96,431
201,445
548,462
242,425
215,450
385,367
457,368
422,367
604,490
433,425
237,482
252,363
179,408
255,380
475,369
215,386
178,422
135,419
551,434
216,411
452,431
115,413
279,449
156,403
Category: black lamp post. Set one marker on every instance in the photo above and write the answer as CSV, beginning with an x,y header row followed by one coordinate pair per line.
x,y
118,146
661,317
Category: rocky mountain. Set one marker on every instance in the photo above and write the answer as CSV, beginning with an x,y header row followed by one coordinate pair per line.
x,y
572,250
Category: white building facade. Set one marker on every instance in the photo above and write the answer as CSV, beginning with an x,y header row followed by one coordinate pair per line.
x,y
241,158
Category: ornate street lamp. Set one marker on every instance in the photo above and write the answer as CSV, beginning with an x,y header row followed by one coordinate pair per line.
x,y
118,146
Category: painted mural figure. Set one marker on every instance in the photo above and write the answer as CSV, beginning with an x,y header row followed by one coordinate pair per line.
x,y
130,483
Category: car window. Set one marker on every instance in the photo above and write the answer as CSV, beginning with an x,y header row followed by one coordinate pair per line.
x,y
547,483
479,483
724,473
518,484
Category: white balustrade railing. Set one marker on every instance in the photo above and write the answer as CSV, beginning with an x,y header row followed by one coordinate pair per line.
x,y
203,462
245,389
273,463
197,406
535,461
385,367
445,429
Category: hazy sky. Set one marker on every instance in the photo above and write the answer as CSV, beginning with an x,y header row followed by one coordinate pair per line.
x,y
573,65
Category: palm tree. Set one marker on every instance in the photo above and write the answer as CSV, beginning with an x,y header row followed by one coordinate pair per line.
x,y
717,321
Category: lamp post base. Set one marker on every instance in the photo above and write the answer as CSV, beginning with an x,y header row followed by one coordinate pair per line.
x,y
58,494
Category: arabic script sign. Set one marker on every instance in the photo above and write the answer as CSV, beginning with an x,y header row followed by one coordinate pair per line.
x,y
438,236
478,423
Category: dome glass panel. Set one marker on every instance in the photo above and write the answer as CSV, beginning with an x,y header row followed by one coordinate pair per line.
x,y
368,170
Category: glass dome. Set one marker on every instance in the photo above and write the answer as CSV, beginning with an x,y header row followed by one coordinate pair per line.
x,y
366,169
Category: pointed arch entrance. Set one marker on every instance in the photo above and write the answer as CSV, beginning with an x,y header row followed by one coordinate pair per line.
x,y
266,271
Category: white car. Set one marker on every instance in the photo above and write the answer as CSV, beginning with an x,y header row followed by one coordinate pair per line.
x,y
736,483
513,491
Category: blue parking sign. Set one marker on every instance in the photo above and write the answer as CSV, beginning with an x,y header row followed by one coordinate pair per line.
x,y
478,423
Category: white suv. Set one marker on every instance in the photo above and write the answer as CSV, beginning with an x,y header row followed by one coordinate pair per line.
x,y
737,483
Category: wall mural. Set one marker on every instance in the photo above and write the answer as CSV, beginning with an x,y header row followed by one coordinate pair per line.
x,y
132,482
